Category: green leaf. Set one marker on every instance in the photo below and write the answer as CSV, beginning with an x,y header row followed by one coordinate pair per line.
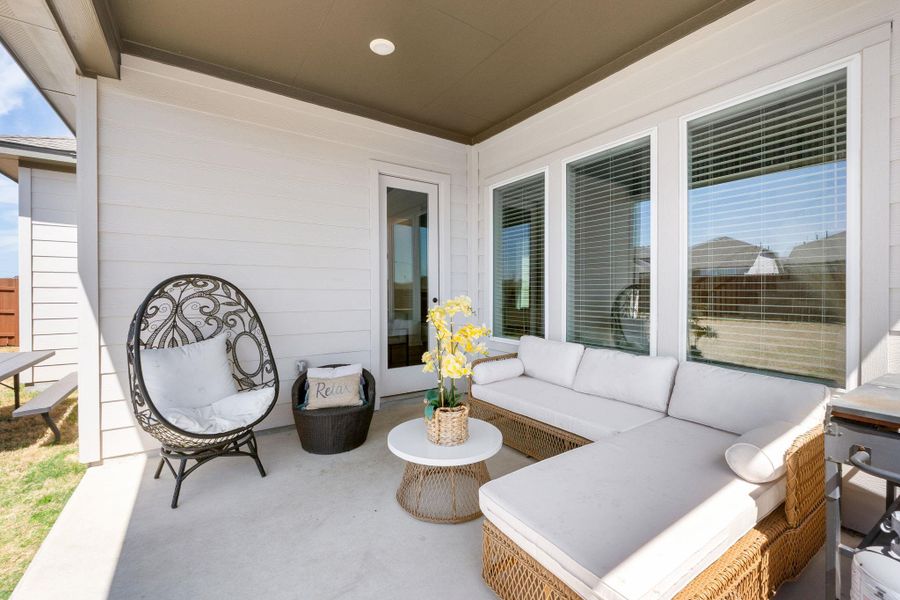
x,y
432,395
429,411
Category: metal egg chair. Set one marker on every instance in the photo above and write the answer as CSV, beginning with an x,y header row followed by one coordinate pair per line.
x,y
191,308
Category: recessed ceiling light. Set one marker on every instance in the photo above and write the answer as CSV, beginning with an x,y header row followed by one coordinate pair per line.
x,y
381,46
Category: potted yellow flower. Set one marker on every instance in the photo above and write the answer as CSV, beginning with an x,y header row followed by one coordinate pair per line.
x,y
446,417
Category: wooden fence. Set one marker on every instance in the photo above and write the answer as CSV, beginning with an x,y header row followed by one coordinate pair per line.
x,y
9,312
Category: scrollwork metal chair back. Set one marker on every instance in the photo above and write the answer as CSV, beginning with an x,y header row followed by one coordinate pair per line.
x,y
191,308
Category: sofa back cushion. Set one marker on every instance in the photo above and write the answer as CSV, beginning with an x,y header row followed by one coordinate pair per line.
x,y
737,401
640,380
553,362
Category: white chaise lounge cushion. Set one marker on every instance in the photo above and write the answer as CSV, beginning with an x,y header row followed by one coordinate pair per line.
x,y
591,417
632,517
738,401
188,376
758,455
227,414
640,380
553,362
497,370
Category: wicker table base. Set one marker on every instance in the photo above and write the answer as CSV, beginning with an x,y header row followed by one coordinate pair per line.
x,y
442,494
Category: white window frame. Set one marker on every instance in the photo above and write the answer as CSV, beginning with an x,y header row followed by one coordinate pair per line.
x,y
489,291
652,133
852,292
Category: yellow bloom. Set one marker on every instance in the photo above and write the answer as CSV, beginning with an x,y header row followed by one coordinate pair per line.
x,y
455,366
428,359
460,304
450,355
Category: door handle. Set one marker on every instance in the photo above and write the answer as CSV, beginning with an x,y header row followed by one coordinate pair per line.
x,y
434,300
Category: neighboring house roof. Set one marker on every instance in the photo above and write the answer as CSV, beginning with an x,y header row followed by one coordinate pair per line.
x,y
60,145
829,249
51,152
727,256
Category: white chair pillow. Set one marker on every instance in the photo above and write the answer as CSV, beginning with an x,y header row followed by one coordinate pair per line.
x,y
249,403
497,370
330,372
758,455
227,414
189,376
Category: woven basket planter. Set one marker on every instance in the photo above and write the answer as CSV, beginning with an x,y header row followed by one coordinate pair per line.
x,y
448,426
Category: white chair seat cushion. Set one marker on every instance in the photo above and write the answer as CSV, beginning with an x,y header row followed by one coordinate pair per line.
x,y
188,376
226,414
591,417
641,380
738,401
497,370
634,516
550,361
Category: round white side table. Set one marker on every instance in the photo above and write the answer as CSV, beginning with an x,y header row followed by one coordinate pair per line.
x,y
440,483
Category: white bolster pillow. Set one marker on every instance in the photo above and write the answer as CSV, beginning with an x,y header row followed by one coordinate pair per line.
x,y
758,455
497,370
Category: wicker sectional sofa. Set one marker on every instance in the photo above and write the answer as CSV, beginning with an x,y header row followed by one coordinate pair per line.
x,y
632,498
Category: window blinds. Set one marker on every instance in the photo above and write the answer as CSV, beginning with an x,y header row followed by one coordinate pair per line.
x,y
518,249
767,232
608,248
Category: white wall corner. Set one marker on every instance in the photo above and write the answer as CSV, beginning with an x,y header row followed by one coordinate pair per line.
x,y
26,339
89,441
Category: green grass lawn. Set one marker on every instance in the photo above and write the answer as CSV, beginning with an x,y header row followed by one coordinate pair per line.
x,y
36,479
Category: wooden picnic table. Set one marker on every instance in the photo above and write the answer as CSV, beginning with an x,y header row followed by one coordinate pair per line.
x,y
13,363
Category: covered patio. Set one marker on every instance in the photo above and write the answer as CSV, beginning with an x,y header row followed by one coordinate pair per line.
x,y
316,527
629,254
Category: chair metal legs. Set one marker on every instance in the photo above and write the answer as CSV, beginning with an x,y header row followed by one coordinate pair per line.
x,y
233,448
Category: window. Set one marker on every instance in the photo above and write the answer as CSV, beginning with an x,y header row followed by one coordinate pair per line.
x,y
608,248
767,218
518,274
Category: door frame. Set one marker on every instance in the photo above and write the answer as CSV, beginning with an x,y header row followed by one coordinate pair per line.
x,y
378,249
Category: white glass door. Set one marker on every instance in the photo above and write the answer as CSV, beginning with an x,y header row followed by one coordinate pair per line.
x,y
409,281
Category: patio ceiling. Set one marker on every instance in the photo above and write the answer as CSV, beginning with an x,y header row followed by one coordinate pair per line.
x,y
463,69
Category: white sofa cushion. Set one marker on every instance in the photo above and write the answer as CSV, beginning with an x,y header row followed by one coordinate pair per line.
x,y
591,417
758,455
641,380
227,414
189,376
553,362
634,516
738,401
497,370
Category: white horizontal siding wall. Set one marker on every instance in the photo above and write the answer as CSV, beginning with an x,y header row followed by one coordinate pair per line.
x,y
763,42
48,274
197,174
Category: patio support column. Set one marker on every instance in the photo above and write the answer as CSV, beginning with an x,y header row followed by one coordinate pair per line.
x,y
88,274
875,213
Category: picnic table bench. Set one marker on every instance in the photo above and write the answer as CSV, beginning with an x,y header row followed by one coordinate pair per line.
x,y
47,399
13,363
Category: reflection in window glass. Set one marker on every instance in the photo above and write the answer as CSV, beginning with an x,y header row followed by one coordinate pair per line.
x,y
608,248
767,217
518,268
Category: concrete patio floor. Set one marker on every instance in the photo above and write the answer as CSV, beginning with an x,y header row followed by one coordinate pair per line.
x,y
318,527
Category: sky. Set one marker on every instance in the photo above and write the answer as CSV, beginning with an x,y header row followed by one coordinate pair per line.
x,y
23,111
